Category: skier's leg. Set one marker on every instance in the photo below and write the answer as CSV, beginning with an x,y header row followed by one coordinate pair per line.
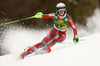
x,y
49,37
62,36
41,44
49,40
31,49
57,38
34,47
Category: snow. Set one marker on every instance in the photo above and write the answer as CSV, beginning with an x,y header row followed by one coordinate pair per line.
x,y
86,53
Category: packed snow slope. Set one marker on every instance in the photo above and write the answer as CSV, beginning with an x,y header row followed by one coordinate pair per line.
x,y
86,53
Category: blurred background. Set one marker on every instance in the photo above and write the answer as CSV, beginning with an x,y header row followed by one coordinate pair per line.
x,y
11,10
18,9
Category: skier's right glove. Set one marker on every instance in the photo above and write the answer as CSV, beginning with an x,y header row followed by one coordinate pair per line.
x,y
76,39
38,15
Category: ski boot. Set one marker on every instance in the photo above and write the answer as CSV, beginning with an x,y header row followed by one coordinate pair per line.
x,y
26,52
22,55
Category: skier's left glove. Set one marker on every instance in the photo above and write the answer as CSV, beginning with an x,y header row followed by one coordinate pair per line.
x,y
76,39
38,15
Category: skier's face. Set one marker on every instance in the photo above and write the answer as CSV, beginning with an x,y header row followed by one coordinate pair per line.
x,y
61,13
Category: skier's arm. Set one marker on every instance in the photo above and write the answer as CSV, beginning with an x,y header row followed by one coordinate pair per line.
x,y
71,22
51,16
44,16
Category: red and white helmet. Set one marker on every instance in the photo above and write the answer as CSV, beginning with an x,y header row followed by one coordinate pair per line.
x,y
60,7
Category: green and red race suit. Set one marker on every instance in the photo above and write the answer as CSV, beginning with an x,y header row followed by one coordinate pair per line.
x,y
58,32
61,24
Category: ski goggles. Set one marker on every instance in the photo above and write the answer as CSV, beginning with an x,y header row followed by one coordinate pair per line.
x,y
61,10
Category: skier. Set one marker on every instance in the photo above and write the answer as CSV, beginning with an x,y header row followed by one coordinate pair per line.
x,y
58,32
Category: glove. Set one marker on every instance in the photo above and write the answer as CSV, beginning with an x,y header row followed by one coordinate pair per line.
x,y
38,15
76,39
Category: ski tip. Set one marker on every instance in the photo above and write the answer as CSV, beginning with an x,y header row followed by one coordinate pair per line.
x,y
21,56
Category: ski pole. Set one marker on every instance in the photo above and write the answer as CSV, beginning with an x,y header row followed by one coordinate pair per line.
x,y
83,39
17,21
36,16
